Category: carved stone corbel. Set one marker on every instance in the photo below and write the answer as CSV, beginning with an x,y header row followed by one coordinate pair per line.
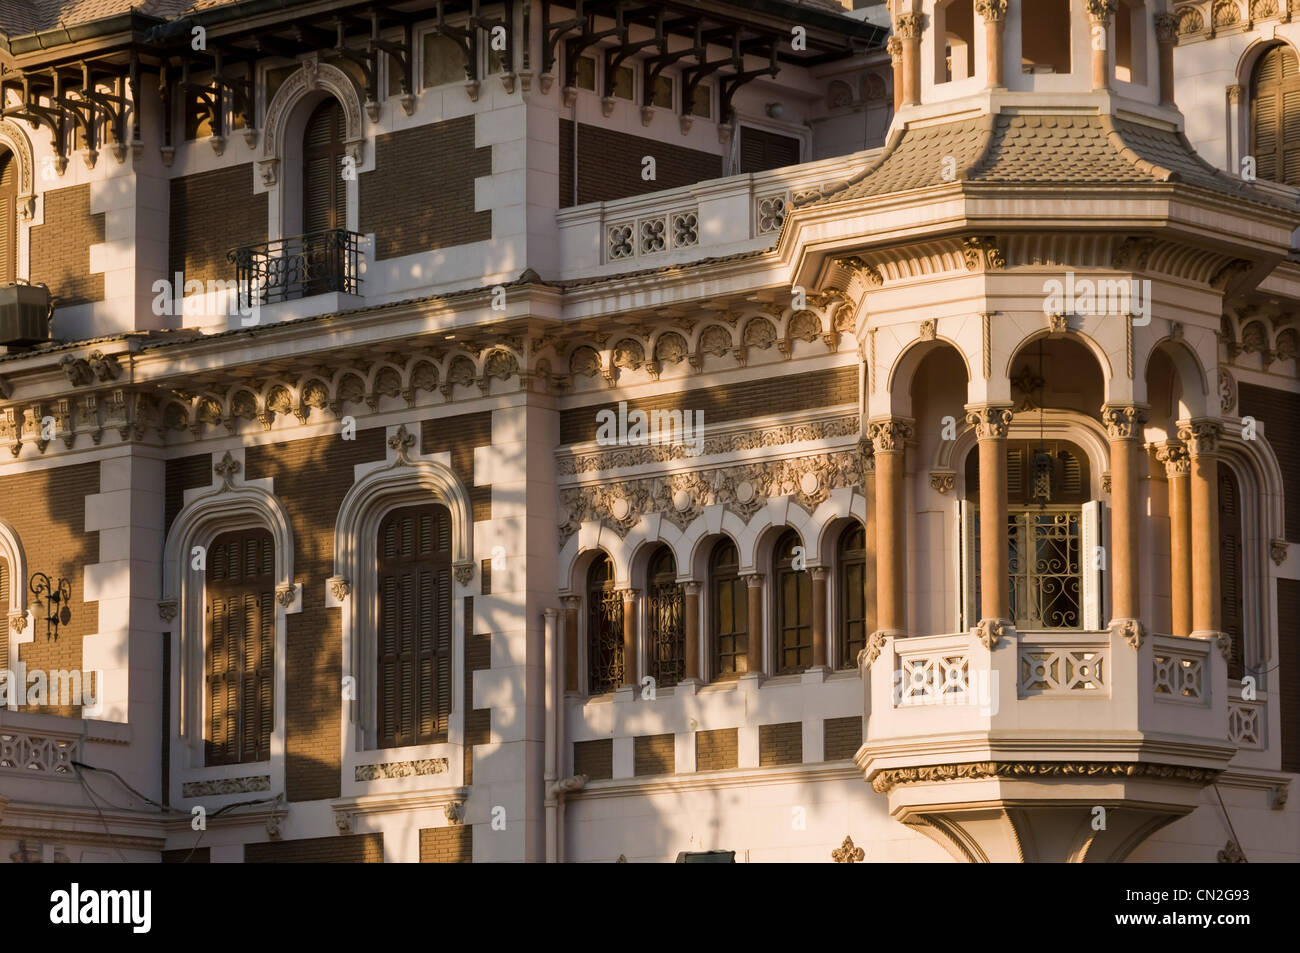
x,y
1132,630
340,587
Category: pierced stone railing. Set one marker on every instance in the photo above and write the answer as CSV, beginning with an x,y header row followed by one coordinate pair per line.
x,y
1246,723
1077,668
40,755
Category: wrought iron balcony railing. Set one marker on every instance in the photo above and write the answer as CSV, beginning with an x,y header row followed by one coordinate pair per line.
x,y
298,267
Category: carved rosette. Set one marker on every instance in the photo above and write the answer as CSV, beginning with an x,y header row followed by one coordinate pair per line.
x,y
992,631
1175,458
990,423
1124,422
1277,551
1201,437
167,610
889,436
1131,629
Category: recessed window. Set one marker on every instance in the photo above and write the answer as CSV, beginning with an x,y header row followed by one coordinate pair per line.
x,y
584,73
728,612
702,102
604,628
793,607
851,584
666,638
1275,116
624,83
1045,36
662,95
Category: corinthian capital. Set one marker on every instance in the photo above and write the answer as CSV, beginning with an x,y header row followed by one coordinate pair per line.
x,y
888,436
990,422
1124,422
991,9
1200,436
908,25
1166,28
1101,10
895,47
1174,457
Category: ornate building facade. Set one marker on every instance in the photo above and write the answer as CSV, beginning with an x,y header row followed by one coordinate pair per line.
x,y
517,431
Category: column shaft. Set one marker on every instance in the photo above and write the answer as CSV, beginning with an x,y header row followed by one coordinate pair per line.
x,y
1166,25
888,436
991,424
1124,426
1201,438
1174,457
629,638
691,606
754,623
908,29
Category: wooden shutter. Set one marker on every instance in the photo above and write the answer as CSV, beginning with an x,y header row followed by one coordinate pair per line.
x,y
852,586
1230,568
240,611
793,610
4,627
761,150
1275,117
415,643
8,218
324,193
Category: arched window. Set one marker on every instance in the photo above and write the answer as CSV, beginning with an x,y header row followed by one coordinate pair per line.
x,y
414,637
793,607
324,190
239,614
1275,116
604,628
667,635
851,585
8,217
954,26
1230,568
1045,36
729,612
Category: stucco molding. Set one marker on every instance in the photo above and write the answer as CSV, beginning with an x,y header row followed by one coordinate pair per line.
x,y
885,781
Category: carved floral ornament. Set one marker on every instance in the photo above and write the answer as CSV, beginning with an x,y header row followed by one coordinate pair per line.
x,y
995,10
848,853
1175,458
1201,437
991,631
886,781
942,481
1124,423
890,436
990,423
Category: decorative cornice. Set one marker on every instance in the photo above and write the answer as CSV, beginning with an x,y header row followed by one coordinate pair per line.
x,y
885,781
1124,422
991,422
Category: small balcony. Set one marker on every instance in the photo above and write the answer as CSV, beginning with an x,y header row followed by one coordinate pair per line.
x,y
303,266
1046,746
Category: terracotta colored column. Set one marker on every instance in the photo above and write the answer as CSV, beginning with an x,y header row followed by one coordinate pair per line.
x,y
1166,39
1202,440
895,47
1124,427
754,622
991,423
888,438
908,30
629,638
1100,12
691,606
994,13
819,633
1177,467
571,604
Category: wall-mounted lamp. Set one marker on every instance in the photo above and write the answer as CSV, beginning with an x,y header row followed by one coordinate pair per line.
x,y
54,598
774,110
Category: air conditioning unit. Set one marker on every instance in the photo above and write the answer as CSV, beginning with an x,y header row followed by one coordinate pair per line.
x,y
24,314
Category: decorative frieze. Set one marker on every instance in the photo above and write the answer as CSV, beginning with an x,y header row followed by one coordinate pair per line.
x,y
219,786
886,781
400,769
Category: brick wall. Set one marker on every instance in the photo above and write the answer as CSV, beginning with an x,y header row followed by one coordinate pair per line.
x,y
447,845
183,473
47,509
1279,411
595,759
653,754
1288,674
60,248
311,478
459,436
478,721
717,750
758,398
610,163
780,744
348,849
420,195
841,738
211,213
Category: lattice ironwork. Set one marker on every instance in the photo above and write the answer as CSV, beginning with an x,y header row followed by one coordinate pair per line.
x,y
1046,570
604,635
667,632
298,267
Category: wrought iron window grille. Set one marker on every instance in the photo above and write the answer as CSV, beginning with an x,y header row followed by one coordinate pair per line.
x,y
299,267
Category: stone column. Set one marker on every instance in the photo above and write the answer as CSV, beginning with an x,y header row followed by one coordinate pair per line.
x,y
754,623
571,606
1100,13
1238,139
908,29
994,13
1177,468
991,423
629,638
888,437
1202,440
1124,427
895,47
691,606
1166,25
819,632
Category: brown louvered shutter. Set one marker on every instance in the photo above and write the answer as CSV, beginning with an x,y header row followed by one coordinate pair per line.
x,y
1230,569
414,644
1275,116
761,150
240,609
4,623
324,193
8,218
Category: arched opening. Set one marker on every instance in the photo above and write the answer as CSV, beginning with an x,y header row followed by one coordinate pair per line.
x,y
794,641
728,613
1130,41
666,635
954,29
604,628
1275,116
1045,36
851,587
8,217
